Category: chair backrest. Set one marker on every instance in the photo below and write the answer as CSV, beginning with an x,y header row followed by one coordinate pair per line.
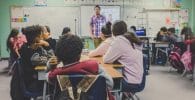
x,y
82,87
18,90
23,85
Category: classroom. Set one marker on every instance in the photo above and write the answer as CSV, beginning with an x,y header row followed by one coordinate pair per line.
x,y
97,49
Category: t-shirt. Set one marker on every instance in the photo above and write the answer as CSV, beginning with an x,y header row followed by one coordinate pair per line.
x,y
122,51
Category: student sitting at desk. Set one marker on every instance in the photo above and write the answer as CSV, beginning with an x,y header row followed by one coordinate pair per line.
x,y
106,35
68,51
162,35
172,37
124,50
31,55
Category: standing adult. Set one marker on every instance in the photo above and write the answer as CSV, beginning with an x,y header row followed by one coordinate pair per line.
x,y
97,21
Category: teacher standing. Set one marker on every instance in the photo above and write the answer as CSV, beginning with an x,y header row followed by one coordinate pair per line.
x,y
96,23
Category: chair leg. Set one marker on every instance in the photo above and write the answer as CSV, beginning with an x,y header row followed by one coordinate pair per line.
x,y
137,98
126,96
184,73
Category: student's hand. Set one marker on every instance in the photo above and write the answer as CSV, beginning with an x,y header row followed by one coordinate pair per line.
x,y
53,60
52,63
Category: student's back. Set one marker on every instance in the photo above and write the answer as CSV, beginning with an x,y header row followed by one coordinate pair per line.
x,y
106,35
68,51
123,49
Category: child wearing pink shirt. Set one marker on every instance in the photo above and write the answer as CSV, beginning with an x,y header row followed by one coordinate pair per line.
x,y
124,50
106,35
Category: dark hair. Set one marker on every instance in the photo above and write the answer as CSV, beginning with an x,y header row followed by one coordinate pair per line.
x,y
164,29
14,32
133,27
31,32
69,48
22,30
48,29
133,39
187,31
192,50
172,30
65,30
119,28
97,6
106,30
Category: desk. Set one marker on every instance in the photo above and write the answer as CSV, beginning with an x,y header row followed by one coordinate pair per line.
x,y
160,44
100,61
160,47
109,68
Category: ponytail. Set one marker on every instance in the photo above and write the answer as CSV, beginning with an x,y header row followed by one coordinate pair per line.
x,y
132,39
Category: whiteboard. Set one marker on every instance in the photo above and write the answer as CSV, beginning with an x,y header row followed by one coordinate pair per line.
x,y
55,17
111,13
134,17
157,19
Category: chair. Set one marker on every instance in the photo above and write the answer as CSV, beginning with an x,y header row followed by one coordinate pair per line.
x,y
131,94
18,85
81,87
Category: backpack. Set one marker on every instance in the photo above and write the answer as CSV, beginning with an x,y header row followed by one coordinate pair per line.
x,y
81,88
186,59
174,59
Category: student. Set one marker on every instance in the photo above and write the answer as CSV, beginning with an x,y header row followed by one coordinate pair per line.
x,y
172,37
133,29
123,50
66,30
106,35
47,37
162,35
68,51
186,33
32,54
12,47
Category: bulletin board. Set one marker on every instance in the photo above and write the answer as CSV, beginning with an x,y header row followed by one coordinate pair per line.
x,y
55,17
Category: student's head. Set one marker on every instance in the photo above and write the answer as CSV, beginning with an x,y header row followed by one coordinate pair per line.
x,y
22,30
119,28
163,30
171,30
14,33
66,30
106,31
133,28
46,32
69,48
97,9
33,34
187,32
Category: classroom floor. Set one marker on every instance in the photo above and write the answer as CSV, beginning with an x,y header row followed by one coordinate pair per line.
x,y
161,85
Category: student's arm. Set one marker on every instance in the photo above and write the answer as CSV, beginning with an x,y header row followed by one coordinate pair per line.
x,y
91,28
109,81
113,52
43,43
99,51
